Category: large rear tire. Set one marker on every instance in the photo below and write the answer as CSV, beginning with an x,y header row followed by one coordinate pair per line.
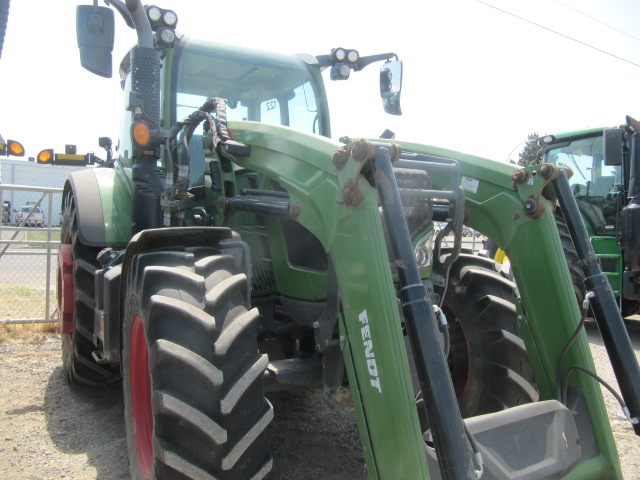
x,y
573,262
77,346
488,358
194,400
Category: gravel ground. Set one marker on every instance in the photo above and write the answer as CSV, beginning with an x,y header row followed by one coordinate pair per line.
x,y
51,431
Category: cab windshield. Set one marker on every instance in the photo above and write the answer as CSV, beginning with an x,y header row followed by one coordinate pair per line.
x,y
594,184
266,88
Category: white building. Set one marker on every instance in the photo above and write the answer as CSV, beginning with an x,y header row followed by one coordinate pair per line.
x,y
32,174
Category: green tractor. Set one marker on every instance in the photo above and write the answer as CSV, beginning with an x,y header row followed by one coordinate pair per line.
x,y
231,248
603,184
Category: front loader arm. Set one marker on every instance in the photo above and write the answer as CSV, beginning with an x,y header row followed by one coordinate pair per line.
x,y
370,330
335,199
515,208
374,349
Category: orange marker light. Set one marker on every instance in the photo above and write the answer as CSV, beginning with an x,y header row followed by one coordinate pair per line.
x,y
45,156
141,134
15,148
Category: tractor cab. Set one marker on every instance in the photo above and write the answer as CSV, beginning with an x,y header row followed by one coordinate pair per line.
x,y
605,165
269,88
595,184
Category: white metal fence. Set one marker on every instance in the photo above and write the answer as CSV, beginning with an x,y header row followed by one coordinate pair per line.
x,y
28,254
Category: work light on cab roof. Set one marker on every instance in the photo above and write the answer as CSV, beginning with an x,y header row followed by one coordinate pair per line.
x,y
154,13
163,22
159,17
343,61
341,55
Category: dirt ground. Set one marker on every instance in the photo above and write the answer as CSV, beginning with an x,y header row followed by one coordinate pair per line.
x,y
51,431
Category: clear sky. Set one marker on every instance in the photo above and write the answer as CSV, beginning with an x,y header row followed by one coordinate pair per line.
x,y
476,79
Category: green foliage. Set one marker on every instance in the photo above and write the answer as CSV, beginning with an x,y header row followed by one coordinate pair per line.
x,y
532,152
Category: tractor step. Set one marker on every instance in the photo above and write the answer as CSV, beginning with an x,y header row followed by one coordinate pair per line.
x,y
98,358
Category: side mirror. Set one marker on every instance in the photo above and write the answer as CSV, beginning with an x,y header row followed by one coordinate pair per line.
x,y
105,142
612,146
95,28
391,86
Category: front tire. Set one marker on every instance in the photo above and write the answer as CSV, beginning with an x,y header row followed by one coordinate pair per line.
x,y
194,400
488,360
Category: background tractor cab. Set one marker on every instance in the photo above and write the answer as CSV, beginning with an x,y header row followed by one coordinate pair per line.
x,y
605,163
594,183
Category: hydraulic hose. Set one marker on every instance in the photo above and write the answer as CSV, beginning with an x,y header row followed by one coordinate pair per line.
x,y
612,328
452,447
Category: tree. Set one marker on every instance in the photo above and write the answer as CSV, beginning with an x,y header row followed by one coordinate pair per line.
x,y
532,152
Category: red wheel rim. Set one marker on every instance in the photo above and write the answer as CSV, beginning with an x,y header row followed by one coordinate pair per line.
x,y
140,388
65,287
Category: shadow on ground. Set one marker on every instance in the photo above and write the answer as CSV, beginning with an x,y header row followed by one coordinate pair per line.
x,y
309,440
88,421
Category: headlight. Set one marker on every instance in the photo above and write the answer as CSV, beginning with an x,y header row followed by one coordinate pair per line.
x,y
424,251
154,13
339,54
352,56
170,18
340,71
167,36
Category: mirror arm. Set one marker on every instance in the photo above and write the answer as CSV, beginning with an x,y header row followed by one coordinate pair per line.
x,y
122,10
136,18
325,60
633,123
366,61
141,22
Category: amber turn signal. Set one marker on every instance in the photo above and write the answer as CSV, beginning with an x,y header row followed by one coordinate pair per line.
x,y
15,148
140,134
45,156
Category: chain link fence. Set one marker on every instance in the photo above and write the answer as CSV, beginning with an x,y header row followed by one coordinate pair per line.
x,y
29,238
